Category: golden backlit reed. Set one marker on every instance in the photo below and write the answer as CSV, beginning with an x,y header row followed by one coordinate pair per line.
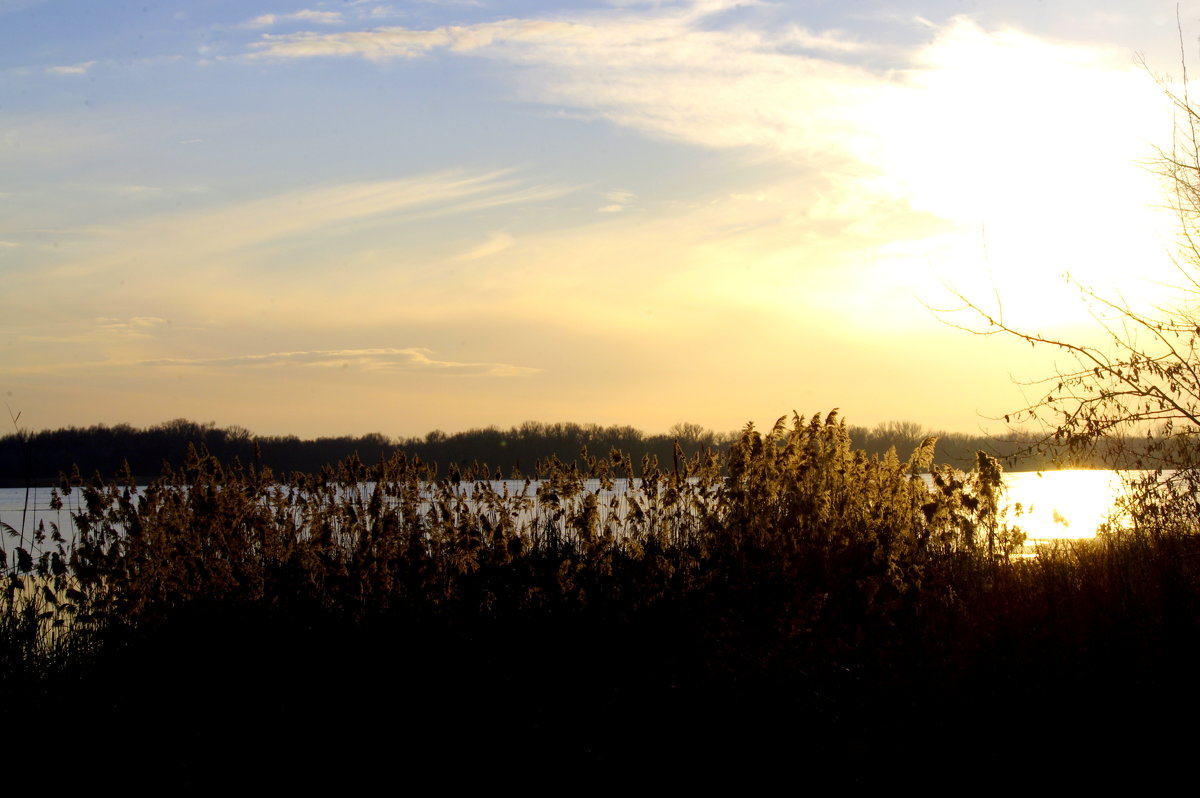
x,y
791,568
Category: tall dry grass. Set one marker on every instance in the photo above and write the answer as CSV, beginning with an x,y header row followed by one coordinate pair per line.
x,y
796,601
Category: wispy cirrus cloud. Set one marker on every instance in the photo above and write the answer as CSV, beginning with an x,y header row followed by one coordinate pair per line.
x,y
136,326
369,9
495,243
306,15
665,72
411,359
71,69
957,94
617,201
778,90
201,236
337,254
381,44
104,329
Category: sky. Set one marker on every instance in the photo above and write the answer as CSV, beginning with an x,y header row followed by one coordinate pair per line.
x,y
327,218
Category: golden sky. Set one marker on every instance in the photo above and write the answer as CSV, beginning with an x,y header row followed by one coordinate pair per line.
x,y
346,217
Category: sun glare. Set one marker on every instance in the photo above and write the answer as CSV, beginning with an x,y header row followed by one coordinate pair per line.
x,y
1069,503
1037,153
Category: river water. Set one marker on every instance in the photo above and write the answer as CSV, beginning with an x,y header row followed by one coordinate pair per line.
x,y
1063,504
1047,505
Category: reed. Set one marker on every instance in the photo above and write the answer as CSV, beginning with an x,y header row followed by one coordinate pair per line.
x,y
792,581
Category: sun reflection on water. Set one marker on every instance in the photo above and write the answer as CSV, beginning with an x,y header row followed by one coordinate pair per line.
x,y
1071,503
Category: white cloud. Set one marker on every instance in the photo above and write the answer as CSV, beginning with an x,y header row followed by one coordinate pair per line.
x,y
321,17
832,41
1037,140
72,69
205,233
667,73
541,40
381,12
496,242
618,201
136,326
662,72
102,330
307,15
411,359
232,254
383,44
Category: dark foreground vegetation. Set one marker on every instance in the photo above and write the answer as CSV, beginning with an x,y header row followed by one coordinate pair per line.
x,y
791,608
40,456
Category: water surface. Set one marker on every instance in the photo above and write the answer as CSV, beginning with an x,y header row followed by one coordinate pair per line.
x,y
1046,505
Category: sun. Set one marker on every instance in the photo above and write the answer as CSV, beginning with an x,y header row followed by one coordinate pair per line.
x,y
1037,154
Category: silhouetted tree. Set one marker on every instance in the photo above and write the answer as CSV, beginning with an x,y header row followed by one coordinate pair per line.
x,y
1143,384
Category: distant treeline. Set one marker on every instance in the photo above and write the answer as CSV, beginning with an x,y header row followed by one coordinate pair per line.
x,y
517,451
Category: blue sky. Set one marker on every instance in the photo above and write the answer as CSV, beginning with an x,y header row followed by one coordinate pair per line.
x,y
342,217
